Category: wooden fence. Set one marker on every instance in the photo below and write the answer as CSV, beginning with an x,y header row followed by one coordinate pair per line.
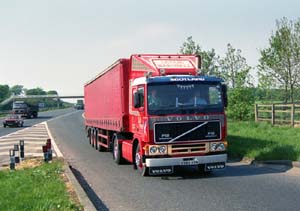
x,y
283,114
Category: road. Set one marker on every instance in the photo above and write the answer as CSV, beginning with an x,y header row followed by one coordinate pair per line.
x,y
43,116
112,187
34,136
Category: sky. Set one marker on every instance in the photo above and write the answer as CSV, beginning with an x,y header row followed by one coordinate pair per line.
x,y
60,45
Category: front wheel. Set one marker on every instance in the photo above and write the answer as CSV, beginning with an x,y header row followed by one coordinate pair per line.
x,y
138,162
4,125
117,151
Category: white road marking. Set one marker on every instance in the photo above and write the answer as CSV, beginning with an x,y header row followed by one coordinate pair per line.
x,y
56,149
58,117
34,138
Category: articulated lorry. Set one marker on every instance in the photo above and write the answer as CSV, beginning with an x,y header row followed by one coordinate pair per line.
x,y
79,105
146,110
25,109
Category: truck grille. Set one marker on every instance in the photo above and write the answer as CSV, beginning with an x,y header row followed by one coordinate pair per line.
x,y
173,132
188,149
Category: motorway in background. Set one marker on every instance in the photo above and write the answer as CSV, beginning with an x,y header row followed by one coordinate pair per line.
x,y
112,187
34,135
43,116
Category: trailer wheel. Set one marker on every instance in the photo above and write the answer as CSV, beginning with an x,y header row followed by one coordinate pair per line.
x,y
96,140
138,163
93,138
90,137
117,151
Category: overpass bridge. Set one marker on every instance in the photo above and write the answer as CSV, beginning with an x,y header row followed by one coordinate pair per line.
x,y
27,97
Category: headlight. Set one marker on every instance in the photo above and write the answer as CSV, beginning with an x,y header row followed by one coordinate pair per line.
x,y
158,150
162,149
214,147
153,150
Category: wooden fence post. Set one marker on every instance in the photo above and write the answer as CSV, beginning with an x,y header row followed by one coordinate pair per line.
x,y
273,114
293,115
256,112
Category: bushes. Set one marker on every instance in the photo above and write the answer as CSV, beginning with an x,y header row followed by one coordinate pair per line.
x,y
241,104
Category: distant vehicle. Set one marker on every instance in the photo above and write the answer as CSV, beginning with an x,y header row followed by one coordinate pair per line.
x,y
25,109
79,105
13,120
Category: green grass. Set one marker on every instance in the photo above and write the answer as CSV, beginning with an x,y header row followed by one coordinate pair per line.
x,y
39,188
261,141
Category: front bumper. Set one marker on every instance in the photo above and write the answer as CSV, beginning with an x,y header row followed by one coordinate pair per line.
x,y
157,162
11,123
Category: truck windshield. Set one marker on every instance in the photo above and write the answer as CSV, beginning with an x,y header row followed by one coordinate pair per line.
x,y
184,98
19,105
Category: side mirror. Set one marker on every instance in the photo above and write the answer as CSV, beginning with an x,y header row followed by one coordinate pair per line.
x,y
224,95
137,100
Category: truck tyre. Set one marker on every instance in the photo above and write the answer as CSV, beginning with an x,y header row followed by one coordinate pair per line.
x,y
90,137
96,140
93,138
4,125
143,170
117,151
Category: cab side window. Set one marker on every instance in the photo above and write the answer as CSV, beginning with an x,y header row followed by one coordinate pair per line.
x,y
141,94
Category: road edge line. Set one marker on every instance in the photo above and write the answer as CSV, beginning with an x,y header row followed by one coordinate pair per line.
x,y
56,149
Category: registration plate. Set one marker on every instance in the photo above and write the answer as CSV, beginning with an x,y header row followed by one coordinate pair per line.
x,y
214,166
161,170
189,163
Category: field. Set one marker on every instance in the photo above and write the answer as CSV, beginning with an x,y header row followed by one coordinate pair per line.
x,y
261,141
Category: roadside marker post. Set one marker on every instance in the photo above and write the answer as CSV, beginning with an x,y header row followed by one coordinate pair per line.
x,y
12,164
17,156
22,145
45,151
49,149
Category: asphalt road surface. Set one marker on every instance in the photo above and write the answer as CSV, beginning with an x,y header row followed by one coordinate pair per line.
x,y
42,116
112,187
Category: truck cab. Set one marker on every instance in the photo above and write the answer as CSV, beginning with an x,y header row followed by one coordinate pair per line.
x,y
186,125
25,109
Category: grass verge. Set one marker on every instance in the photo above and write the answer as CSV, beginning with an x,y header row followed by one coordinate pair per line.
x,y
37,186
261,141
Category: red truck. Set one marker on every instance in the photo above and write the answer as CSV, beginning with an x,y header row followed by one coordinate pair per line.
x,y
177,130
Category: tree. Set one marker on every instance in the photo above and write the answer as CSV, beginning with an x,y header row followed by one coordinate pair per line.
x,y
235,72
35,91
240,103
4,92
234,68
17,89
280,62
52,92
209,59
